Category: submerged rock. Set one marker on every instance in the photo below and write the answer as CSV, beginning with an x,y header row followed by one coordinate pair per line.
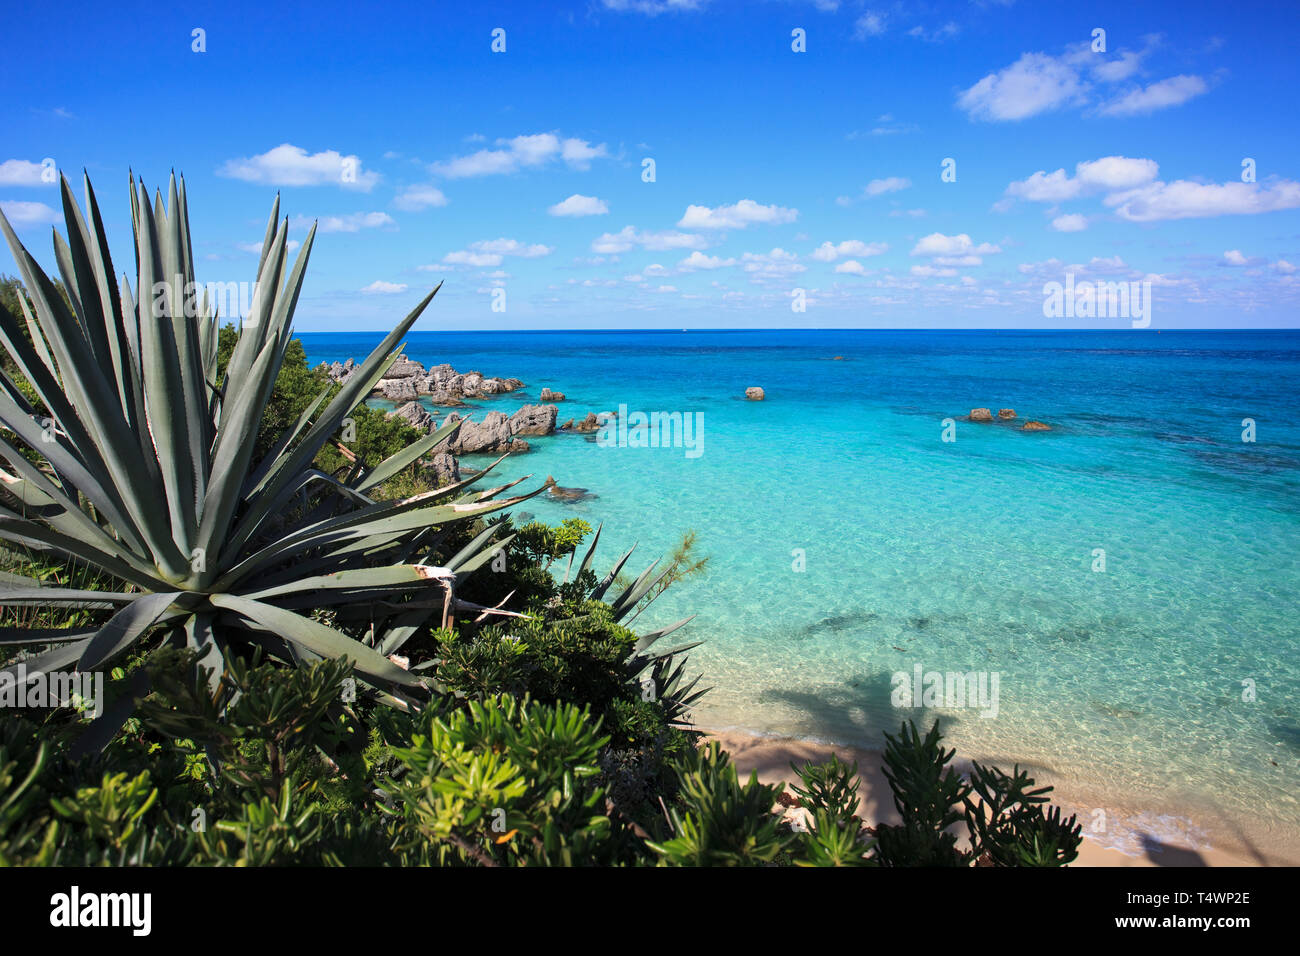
x,y
1035,427
569,495
755,394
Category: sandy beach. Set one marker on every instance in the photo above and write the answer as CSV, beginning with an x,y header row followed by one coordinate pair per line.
x,y
1213,839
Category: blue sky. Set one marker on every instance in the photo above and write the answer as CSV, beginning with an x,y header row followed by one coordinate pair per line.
x,y
426,156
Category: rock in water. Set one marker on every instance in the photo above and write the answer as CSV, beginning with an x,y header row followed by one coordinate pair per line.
x,y
534,420
398,389
549,396
492,435
981,415
1035,427
755,394
1006,414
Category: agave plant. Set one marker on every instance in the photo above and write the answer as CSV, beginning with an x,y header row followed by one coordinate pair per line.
x,y
138,462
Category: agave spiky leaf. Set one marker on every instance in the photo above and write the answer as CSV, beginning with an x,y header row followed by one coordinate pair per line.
x,y
147,467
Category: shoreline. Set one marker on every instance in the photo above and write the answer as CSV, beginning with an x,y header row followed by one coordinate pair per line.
x,y
1188,836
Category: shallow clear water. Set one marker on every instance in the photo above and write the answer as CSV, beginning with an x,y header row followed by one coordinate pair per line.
x,y
970,555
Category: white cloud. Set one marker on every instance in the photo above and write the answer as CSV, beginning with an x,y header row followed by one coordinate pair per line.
x,y
512,247
1233,257
829,251
937,244
288,165
698,260
1116,172
255,248
629,238
463,257
521,152
577,205
1124,65
352,222
1283,267
1109,173
1034,84
851,267
1183,199
771,265
878,187
418,197
1158,96
870,24
29,213
1072,222
652,8
487,253
20,172
927,272
1045,187
742,214
379,287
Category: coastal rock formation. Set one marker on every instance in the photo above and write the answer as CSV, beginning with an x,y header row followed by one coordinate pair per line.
x,y
755,394
1035,427
408,379
534,420
981,415
1006,414
592,422
445,468
549,396
415,415
491,435
567,425
498,433
397,389
340,372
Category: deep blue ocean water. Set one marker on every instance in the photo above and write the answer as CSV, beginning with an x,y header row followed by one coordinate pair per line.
x,y
1133,684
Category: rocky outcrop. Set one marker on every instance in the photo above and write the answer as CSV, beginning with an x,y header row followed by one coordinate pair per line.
x,y
1035,427
445,468
534,420
339,372
415,415
398,389
1006,414
549,396
981,415
755,394
408,379
591,423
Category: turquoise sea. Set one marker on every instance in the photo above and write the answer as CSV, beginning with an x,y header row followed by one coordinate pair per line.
x,y
1163,688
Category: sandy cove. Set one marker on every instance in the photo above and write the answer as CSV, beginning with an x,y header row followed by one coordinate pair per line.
x,y
771,756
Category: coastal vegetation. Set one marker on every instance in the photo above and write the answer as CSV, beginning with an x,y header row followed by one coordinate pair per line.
x,y
320,654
